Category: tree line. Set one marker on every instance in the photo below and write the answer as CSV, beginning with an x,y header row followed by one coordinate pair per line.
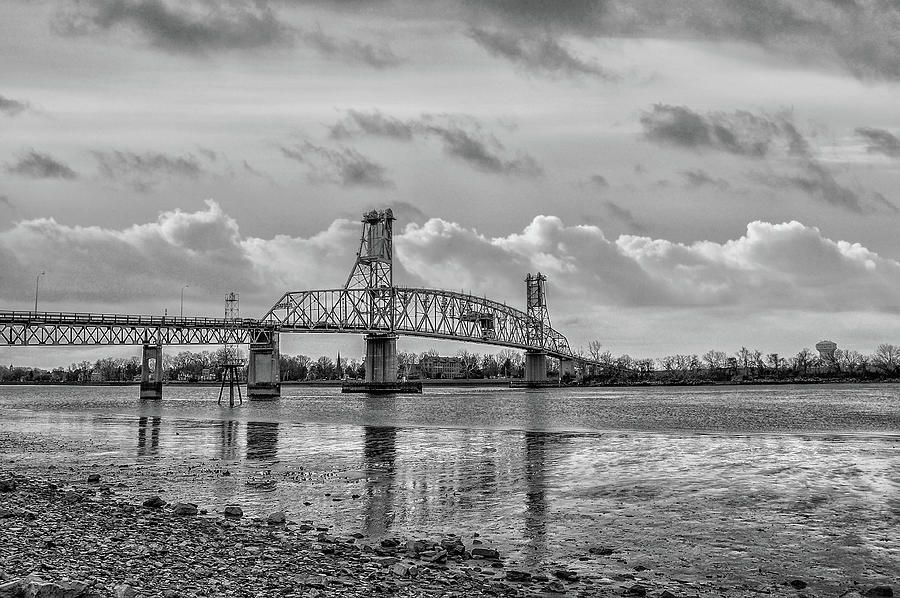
x,y
714,365
744,364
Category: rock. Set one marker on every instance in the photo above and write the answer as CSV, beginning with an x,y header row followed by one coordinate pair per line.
x,y
94,478
71,496
880,592
637,590
667,594
276,518
35,587
797,584
400,570
485,553
233,511
555,587
12,589
601,550
185,509
155,502
519,576
566,575
7,485
390,542
124,591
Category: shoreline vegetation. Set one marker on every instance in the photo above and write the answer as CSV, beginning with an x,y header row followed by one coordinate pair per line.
x,y
504,382
745,366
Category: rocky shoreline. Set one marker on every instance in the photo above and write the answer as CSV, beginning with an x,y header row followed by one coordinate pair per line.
x,y
69,539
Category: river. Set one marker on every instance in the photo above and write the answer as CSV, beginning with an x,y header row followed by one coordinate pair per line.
x,y
742,484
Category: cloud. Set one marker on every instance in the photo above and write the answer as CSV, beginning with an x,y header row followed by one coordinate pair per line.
x,y
197,29
463,138
599,181
771,274
379,57
880,141
624,216
818,182
788,266
144,171
345,166
739,132
12,107
543,54
37,165
699,178
857,36
4,199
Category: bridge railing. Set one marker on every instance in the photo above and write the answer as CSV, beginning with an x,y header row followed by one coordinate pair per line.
x,y
101,319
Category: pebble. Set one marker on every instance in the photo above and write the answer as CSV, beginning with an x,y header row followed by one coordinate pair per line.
x,y
276,518
185,509
233,511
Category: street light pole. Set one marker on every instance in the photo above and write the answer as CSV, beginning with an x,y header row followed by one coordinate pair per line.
x,y
37,281
181,313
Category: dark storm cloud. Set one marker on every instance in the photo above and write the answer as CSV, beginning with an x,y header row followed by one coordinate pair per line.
x,y
172,27
739,132
699,178
880,141
344,166
36,165
598,180
144,171
375,124
819,182
462,138
379,57
540,54
624,216
12,107
202,26
861,36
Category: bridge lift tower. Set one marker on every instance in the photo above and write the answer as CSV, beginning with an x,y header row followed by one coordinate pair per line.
x,y
373,273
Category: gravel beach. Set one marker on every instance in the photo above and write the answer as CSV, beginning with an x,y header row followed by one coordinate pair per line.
x,y
72,535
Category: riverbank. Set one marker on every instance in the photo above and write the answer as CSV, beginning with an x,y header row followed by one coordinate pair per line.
x,y
70,538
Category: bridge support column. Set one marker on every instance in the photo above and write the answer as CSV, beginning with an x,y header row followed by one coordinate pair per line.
x,y
381,358
151,372
566,369
263,373
535,367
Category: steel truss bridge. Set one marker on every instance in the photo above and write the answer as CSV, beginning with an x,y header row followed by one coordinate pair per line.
x,y
369,303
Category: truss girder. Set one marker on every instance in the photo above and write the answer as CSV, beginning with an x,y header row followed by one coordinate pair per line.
x,y
55,328
413,311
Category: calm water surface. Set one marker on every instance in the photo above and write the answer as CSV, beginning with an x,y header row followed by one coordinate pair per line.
x,y
750,480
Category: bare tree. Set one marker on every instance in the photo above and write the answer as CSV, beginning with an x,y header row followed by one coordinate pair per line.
x,y
886,358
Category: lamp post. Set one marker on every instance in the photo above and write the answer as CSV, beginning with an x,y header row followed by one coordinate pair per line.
x,y
181,313
37,282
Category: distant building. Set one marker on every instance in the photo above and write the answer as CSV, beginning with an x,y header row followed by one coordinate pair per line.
x,y
826,351
438,366
96,376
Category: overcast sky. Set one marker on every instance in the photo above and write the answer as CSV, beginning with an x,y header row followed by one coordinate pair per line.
x,y
688,174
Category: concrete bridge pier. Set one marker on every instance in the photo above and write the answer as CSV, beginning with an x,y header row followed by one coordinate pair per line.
x,y
151,372
263,372
566,366
381,358
535,367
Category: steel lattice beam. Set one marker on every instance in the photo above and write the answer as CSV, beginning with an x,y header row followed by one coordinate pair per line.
x,y
412,311
60,328
417,312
